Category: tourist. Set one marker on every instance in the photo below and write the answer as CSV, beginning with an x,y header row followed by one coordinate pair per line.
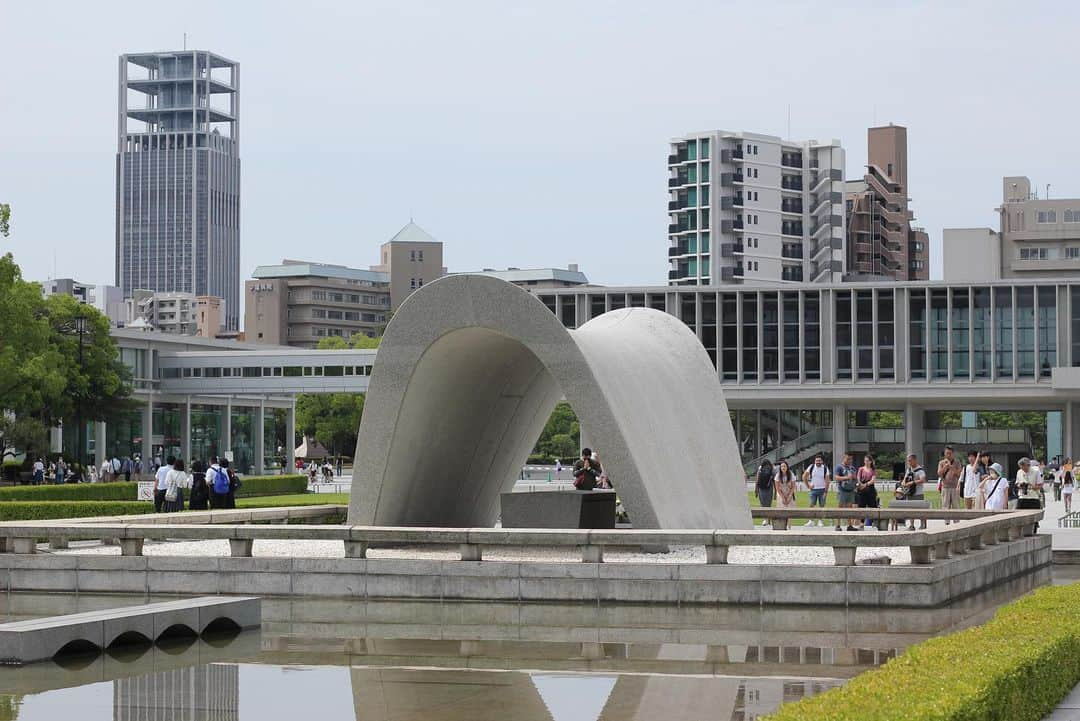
x,y
1067,490
137,466
125,468
764,484
816,476
161,483
785,482
93,473
200,492
996,489
114,468
339,464
949,471
846,476
907,488
176,480
61,470
217,480
234,483
558,469
1024,474
1059,473
586,471
106,470
971,479
866,486
39,471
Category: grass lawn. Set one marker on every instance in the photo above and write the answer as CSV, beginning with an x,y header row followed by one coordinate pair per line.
x,y
296,499
802,500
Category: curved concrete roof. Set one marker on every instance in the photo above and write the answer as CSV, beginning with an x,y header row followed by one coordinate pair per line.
x,y
467,375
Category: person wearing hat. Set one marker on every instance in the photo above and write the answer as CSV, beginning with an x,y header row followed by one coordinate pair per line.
x,y
997,489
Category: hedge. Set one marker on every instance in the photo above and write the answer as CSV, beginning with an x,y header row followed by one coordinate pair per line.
x,y
125,491
1015,667
48,510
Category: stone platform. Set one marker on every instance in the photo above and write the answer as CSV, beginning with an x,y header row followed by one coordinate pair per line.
x,y
558,509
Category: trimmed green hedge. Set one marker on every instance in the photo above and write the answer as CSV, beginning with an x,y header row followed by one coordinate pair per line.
x,y
125,491
48,510
1016,667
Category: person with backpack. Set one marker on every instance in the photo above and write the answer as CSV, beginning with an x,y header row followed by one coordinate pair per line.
x,y
217,480
200,492
233,483
763,486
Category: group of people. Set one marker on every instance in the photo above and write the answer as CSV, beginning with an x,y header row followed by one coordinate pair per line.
x,y
320,472
980,484
211,486
112,468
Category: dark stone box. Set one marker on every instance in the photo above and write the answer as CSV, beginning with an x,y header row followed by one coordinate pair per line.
x,y
558,509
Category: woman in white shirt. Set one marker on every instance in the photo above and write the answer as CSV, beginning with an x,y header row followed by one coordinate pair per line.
x,y
784,482
1067,490
176,481
997,489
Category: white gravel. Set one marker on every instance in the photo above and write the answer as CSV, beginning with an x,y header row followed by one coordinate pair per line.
x,y
749,555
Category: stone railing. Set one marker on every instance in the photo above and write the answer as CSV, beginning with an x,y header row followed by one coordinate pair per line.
x,y
924,545
780,518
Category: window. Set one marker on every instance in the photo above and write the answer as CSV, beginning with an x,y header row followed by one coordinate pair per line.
x,y
749,336
1003,331
939,333
1072,253
1034,253
960,330
412,255
1072,216
412,283
843,335
1047,340
917,332
420,256
729,332
980,332
864,333
770,336
1046,216
1025,331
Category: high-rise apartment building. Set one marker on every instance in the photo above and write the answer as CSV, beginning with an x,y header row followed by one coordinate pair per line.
x,y
745,206
881,241
178,176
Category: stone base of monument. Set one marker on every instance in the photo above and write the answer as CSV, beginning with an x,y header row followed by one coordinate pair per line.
x,y
558,509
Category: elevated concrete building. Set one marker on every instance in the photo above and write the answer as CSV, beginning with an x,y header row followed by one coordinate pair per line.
x,y
881,241
468,374
178,176
754,208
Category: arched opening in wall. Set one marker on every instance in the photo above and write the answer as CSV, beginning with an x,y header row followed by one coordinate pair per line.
x,y
176,638
474,407
129,646
77,654
221,631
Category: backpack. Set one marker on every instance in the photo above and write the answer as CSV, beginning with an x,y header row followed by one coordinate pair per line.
x,y
220,482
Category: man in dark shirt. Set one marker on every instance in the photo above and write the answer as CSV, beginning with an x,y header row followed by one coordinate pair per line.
x,y
586,471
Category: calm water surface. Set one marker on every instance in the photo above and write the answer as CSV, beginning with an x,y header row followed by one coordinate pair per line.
x,y
425,661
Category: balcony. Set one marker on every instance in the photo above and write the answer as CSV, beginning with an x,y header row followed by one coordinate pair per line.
x,y
673,205
726,156
791,160
673,275
737,271
791,205
673,228
789,228
791,182
737,201
673,160
676,182
737,248
674,251
792,273
737,177
794,252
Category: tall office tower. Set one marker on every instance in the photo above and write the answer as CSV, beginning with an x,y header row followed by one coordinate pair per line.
x,y
178,176
881,240
745,206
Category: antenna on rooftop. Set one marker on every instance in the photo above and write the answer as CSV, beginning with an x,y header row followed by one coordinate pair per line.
x,y
185,41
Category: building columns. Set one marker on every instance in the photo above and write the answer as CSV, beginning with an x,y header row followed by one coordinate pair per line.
x,y
290,438
185,430
148,434
226,446
914,432
259,438
1071,430
100,448
839,432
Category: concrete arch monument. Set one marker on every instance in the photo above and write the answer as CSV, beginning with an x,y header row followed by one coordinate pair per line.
x,y
470,369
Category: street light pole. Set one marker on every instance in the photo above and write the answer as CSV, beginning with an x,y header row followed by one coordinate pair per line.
x,y
80,431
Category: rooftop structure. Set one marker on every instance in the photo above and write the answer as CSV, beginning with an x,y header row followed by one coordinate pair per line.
x,y
538,277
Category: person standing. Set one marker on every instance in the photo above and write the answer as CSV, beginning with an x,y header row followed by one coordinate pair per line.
x,y
39,471
92,475
785,483
558,469
125,468
763,484
200,492
234,483
845,474
997,489
908,487
61,470
1067,490
586,471
217,481
106,471
816,476
1024,474
161,483
866,486
176,481
971,479
949,471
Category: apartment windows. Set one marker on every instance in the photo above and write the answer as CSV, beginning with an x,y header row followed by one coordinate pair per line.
x,y
318,313
334,315
704,147
412,283
1034,253
1046,216
318,295
1072,216
337,297
1072,253
420,256
412,255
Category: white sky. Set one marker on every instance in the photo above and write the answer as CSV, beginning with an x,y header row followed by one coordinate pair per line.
x,y
528,134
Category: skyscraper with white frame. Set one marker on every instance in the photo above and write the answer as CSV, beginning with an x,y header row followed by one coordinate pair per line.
x,y
178,176
746,206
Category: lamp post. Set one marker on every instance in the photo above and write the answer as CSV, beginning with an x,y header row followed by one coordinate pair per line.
x,y
79,325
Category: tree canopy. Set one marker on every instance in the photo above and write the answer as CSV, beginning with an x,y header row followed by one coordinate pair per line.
x,y
561,437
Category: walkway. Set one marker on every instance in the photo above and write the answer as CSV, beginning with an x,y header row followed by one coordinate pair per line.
x,y
1068,709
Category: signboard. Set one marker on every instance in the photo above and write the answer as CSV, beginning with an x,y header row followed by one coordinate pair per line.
x,y
146,491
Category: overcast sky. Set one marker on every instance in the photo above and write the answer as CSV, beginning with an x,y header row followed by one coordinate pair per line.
x,y
528,134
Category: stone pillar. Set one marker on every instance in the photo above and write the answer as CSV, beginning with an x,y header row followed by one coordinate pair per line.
x,y
258,439
914,431
1071,430
185,430
148,435
290,438
100,431
839,432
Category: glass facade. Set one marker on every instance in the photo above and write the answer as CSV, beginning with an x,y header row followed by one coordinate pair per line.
x,y
961,333
980,332
207,431
1047,340
243,438
1003,332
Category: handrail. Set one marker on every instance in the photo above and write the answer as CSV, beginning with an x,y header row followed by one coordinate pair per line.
x,y
956,538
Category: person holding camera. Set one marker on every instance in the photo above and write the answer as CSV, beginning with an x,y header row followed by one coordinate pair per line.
x,y
587,471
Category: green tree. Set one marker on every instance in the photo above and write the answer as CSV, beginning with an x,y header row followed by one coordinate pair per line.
x,y
5,219
561,436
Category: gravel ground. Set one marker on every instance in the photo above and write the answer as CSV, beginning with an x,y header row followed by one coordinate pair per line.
x,y
750,555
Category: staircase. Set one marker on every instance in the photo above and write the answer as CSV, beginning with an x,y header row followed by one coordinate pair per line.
x,y
795,451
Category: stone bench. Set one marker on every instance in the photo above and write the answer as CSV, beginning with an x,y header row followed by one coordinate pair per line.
x,y
43,638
